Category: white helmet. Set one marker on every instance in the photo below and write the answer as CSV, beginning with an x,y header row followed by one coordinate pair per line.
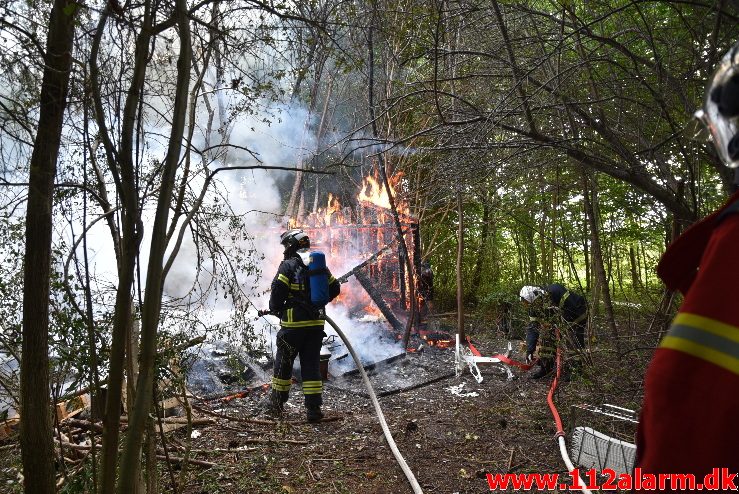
x,y
531,293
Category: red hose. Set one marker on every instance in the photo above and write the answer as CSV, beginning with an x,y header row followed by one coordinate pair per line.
x,y
550,401
499,356
560,435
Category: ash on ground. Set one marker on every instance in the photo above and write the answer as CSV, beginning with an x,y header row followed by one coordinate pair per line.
x,y
217,368
403,372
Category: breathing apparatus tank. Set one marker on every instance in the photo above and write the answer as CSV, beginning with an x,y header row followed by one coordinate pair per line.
x,y
318,279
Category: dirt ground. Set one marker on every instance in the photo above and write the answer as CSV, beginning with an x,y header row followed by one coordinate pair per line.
x,y
451,432
450,440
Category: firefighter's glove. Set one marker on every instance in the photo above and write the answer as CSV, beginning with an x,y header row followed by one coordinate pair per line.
x,y
261,313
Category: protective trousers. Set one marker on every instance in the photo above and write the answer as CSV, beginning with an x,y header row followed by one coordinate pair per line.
x,y
548,343
575,339
306,343
545,337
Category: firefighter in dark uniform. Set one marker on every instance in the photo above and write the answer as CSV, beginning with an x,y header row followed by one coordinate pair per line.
x,y
425,293
301,326
546,306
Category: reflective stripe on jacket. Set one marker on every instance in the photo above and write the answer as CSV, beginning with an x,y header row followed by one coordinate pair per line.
x,y
688,421
705,338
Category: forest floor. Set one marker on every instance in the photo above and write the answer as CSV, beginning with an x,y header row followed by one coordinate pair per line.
x,y
451,432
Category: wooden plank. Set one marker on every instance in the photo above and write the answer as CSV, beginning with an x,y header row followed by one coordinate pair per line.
x,y
9,427
71,407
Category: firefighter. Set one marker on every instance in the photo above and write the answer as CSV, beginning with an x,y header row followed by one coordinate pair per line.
x,y
425,292
547,306
301,326
688,421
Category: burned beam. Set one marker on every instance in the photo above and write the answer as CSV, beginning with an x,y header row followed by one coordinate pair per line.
x,y
375,365
374,294
416,231
358,267
436,379
401,279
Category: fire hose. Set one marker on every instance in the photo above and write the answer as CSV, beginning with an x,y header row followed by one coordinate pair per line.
x,y
560,435
386,431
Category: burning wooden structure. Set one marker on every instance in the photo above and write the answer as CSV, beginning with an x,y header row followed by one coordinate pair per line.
x,y
364,239
361,243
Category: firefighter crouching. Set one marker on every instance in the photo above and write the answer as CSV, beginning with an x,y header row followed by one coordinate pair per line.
x,y
547,306
301,326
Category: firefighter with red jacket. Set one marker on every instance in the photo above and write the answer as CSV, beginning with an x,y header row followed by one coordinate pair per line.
x,y
301,326
690,416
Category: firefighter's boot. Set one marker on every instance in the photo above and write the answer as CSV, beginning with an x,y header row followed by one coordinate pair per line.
x,y
542,368
314,414
275,407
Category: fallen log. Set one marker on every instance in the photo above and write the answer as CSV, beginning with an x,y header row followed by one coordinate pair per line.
x,y
180,420
270,441
84,424
77,447
375,365
260,421
190,461
235,419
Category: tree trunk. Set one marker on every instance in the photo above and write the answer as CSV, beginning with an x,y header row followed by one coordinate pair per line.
x,y
152,476
635,278
132,374
403,249
154,276
121,166
460,253
531,258
591,206
297,189
482,250
36,435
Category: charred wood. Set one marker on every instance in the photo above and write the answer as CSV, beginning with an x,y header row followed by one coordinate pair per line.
x,y
358,267
374,294
375,365
418,385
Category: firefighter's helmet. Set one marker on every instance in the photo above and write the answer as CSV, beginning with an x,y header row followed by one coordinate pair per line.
x,y
720,112
294,240
531,293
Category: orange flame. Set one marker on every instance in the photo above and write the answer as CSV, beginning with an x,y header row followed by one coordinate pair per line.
x,y
374,193
372,310
333,206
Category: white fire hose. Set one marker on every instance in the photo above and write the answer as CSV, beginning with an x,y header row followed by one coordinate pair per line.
x,y
388,436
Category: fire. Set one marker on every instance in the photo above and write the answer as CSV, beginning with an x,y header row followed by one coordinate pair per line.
x,y
441,343
351,234
372,310
333,206
374,193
